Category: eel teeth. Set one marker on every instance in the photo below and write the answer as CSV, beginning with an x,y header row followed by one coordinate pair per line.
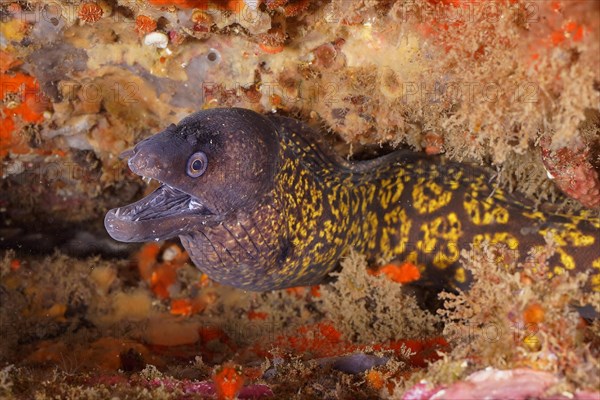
x,y
147,179
194,204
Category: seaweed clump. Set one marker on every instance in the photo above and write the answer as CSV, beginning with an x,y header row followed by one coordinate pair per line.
x,y
515,318
370,309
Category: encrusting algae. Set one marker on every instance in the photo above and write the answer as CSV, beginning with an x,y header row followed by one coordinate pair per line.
x,y
509,84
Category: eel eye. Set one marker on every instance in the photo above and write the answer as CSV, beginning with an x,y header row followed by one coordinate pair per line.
x,y
197,164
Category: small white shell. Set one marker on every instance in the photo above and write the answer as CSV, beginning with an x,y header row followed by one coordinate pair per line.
x,y
252,4
156,39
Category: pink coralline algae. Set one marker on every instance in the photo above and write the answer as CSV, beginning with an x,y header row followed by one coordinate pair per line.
x,y
490,383
574,174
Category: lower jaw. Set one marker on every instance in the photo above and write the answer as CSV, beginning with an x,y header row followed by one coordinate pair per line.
x,y
155,229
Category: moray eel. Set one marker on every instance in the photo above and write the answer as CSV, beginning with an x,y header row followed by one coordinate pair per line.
x,y
259,203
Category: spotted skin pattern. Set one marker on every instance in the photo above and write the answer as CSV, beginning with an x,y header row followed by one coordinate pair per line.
x,y
405,205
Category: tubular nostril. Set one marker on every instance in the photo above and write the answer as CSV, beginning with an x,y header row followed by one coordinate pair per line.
x,y
127,154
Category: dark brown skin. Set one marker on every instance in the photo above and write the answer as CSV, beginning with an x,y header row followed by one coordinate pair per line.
x,y
260,205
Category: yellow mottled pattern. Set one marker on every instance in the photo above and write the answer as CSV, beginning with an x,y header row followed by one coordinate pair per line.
x,y
440,236
570,235
429,196
424,211
591,217
567,240
536,215
408,206
485,212
395,233
460,275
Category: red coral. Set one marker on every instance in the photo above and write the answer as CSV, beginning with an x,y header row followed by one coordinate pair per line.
x,y
275,4
225,5
324,340
144,24
291,8
187,307
272,41
403,273
229,380
90,12
254,315
162,275
23,99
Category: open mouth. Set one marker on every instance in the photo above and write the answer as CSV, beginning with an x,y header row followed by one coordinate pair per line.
x,y
167,212
164,202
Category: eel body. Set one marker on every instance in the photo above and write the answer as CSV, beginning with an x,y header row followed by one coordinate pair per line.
x,y
259,204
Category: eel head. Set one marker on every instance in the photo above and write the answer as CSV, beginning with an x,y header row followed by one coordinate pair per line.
x,y
211,165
